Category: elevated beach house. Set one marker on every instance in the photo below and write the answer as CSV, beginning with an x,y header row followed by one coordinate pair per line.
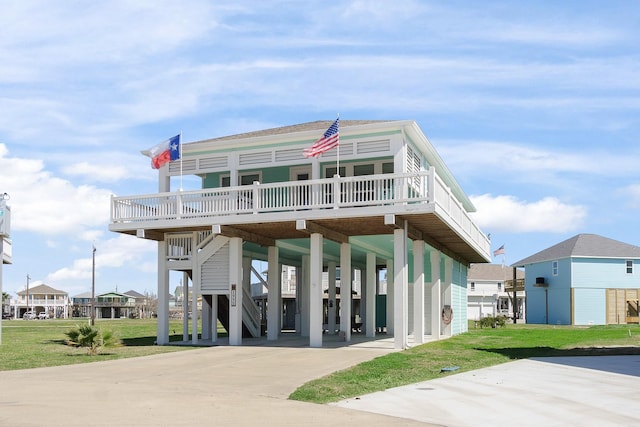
x,y
382,199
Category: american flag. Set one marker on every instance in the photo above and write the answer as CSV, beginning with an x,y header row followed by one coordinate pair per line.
x,y
329,140
499,251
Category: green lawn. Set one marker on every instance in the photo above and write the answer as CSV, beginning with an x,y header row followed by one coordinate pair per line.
x,y
478,348
38,343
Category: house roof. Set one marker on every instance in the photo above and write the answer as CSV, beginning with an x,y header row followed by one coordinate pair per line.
x,y
494,272
583,246
42,289
302,127
134,294
83,295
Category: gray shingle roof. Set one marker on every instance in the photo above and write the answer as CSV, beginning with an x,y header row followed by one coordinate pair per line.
x,y
317,125
584,246
42,289
495,272
134,294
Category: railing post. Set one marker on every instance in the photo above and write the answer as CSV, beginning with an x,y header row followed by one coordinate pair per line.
x,y
336,191
431,185
179,204
256,196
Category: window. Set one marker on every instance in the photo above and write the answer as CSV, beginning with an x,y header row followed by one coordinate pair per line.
x,y
499,286
554,268
329,172
244,179
629,266
473,286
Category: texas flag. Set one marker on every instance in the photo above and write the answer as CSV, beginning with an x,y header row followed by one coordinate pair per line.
x,y
164,152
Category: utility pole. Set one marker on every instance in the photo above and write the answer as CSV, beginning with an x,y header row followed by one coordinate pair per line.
x,y
93,287
515,298
28,278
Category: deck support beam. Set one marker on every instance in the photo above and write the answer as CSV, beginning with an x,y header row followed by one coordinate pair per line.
x,y
446,292
163,295
400,289
274,300
418,291
332,303
435,294
345,290
235,296
311,227
370,300
315,291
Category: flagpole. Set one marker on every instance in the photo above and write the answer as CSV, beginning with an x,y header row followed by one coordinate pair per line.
x,y
180,142
338,152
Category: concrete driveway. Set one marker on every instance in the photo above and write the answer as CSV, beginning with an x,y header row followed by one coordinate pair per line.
x,y
201,387
250,385
556,391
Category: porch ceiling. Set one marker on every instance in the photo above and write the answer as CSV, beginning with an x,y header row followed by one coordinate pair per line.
x,y
426,226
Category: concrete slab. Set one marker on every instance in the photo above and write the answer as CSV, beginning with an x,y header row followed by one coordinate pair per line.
x,y
558,391
246,385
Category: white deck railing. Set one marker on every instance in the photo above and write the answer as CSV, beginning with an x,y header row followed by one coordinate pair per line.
x,y
336,193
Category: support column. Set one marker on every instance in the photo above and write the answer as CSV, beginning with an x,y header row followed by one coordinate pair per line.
x,y
400,289
345,290
370,301
446,293
163,295
274,300
235,296
332,303
304,296
214,318
418,291
435,294
298,306
195,291
390,288
185,305
206,317
315,291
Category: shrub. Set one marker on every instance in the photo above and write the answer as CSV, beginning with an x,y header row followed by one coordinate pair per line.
x,y
493,322
91,338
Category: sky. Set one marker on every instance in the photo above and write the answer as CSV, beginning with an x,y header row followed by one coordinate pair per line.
x,y
534,106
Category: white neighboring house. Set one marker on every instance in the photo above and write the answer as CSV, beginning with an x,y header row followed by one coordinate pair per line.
x,y
42,298
490,293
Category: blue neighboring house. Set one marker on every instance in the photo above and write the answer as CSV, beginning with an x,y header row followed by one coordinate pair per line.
x,y
585,280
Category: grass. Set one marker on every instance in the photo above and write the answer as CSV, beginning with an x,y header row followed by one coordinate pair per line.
x,y
41,343
476,349
32,344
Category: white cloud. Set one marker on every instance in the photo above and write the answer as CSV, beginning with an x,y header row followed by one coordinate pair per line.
x,y
110,173
46,204
631,194
509,214
507,159
114,253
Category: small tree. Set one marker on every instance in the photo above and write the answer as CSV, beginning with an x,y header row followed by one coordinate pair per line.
x,y
91,338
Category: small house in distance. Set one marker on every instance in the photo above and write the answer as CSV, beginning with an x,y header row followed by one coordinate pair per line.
x,y
585,280
490,291
43,299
